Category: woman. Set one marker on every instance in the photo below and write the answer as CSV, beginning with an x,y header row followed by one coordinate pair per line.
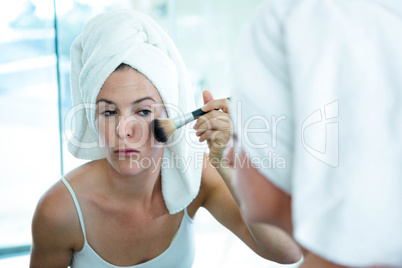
x,y
125,208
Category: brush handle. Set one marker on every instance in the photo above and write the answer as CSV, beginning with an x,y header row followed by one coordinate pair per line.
x,y
181,121
197,113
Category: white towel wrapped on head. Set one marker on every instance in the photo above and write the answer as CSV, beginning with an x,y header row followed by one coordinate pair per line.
x,y
133,38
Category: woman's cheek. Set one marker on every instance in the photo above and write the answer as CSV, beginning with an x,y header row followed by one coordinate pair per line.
x,y
140,133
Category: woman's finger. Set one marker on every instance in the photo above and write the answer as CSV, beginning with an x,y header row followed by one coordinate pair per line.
x,y
207,96
208,120
216,138
217,125
219,104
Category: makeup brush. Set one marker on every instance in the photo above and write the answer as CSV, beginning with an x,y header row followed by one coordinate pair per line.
x,y
163,128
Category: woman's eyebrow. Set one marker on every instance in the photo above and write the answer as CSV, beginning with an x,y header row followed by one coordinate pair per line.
x,y
143,99
134,102
105,100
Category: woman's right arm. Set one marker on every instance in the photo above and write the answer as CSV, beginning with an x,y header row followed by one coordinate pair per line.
x,y
54,229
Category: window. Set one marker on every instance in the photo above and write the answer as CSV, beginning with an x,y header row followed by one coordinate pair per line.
x,y
29,125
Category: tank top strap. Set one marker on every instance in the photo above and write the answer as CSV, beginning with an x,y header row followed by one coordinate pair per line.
x,y
186,215
77,205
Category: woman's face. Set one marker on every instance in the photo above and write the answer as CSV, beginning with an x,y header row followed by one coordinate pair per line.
x,y
125,107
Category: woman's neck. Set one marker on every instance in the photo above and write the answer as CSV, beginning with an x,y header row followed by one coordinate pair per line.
x,y
140,189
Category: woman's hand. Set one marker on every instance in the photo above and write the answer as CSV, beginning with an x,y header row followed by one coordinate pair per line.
x,y
215,127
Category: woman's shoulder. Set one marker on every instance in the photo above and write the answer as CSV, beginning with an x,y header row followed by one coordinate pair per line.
x,y
55,199
87,170
56,211
58,195
55,216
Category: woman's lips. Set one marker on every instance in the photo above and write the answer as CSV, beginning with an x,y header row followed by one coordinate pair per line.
x,y
126,152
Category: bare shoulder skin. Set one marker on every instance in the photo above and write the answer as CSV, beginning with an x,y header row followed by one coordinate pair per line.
x,y
56,231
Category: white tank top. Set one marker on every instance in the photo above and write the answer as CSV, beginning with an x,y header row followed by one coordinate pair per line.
x,y
180,253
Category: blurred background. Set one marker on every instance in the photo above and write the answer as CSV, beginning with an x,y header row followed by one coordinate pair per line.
x,y
35,39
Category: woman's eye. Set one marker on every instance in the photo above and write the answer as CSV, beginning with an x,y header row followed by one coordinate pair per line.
x,y
108,113
144,112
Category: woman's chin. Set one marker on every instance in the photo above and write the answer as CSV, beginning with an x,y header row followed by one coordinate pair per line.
x,y
126,170
129,168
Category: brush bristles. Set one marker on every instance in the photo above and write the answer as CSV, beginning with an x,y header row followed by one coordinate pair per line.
x,y
163,128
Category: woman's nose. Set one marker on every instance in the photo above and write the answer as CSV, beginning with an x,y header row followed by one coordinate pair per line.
x,y
125,127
